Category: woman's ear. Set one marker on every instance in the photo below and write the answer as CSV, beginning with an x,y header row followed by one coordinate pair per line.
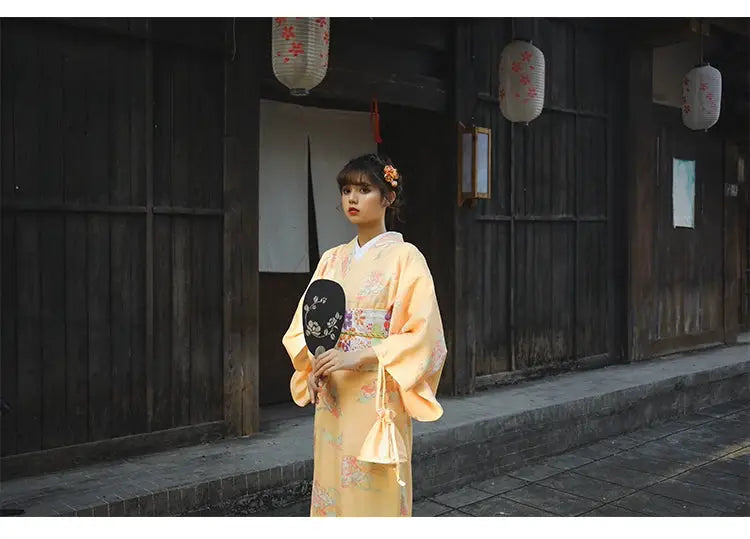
x,y
391,197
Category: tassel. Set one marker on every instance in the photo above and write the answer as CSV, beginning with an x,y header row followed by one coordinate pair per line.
x,y
375,121
398,460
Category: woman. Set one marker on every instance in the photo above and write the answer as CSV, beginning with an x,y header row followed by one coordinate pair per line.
x,y
392,323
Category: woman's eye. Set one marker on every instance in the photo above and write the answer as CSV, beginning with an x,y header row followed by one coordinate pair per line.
x,y
365,190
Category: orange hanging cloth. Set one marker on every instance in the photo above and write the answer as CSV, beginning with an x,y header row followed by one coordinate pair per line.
x,y
375,121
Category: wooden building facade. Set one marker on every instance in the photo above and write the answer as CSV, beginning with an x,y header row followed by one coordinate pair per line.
x,y
134,315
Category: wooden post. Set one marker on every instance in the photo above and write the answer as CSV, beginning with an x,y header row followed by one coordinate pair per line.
x,y
241,162
617,205
731,233
149,148
642,163
464,340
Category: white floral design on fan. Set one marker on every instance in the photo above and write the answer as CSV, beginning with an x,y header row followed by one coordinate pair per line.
x,y
313,328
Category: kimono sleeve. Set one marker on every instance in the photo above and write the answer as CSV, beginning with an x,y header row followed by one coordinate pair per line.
x,y
414,352
294,342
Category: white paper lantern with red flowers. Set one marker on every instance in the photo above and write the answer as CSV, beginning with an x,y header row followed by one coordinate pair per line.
x,y
701,97
299,52
521,81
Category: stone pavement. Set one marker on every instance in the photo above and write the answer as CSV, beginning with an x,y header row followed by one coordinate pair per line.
x,y
696,466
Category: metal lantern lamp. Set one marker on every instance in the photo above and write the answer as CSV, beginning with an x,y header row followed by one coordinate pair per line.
x,y
521,81
701,97
299,52
474,163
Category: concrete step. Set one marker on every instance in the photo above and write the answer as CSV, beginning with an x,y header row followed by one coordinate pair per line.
x,y
482,435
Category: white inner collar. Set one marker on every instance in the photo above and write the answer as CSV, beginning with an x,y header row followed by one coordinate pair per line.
x,y
359,252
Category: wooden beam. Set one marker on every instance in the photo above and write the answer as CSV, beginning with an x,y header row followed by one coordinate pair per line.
x,y
657,32
241,163
73,207
686,343
739,25
424,33
160,32
360,87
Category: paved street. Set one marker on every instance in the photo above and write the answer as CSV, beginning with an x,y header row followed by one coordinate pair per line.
x,y
697,466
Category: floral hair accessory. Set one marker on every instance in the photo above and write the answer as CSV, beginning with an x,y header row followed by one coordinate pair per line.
x,y
391,175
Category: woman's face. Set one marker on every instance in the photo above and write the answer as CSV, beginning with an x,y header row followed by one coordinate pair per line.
x,y
362,203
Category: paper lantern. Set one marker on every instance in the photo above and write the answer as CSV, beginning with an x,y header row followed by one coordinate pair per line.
x,y
299,52
701,97
521,81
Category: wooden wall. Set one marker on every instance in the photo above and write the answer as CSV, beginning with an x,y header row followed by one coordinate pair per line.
x,y
534,267
684,283
114,173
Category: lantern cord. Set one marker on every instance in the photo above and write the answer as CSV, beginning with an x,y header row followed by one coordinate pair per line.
x,y
375,120
234,37
700,30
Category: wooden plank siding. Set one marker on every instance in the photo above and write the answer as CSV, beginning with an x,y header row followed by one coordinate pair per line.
x,y
534,273
113,218
188,164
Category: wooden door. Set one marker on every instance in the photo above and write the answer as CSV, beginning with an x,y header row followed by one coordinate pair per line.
x,y
688,282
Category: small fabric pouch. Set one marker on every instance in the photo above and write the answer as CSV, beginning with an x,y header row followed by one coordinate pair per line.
x,y
384,443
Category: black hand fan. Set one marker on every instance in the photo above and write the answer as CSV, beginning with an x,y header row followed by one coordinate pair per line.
x,y
323,315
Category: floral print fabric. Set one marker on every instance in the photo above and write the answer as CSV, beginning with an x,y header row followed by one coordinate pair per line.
x,y
391,306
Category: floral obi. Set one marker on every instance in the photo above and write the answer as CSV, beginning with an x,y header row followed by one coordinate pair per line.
x,y
363,328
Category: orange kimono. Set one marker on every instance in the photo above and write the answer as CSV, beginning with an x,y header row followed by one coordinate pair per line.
x,y
391,306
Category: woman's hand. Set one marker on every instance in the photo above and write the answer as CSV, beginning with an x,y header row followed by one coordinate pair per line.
x,y
314,386
335,360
